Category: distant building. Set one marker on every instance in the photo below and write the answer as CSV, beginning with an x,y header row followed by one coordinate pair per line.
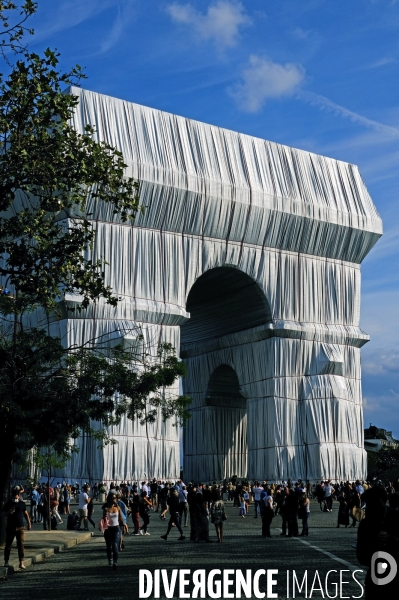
x,y
375,439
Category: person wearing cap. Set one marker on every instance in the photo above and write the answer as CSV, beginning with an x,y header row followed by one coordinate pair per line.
x,y
15,510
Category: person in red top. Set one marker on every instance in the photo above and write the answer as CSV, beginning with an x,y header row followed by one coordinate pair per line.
x,y
15,510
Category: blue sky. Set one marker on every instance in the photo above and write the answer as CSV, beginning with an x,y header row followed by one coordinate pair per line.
x,y
321,75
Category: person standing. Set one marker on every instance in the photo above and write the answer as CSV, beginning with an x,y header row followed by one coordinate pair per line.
x,y
320,494
134,505
354,501
267,512
34,501
44,504
304,512
67,499
291,509
183,506
144,505
218,515
328,491
343,511
15,510
113,520
257,490
154,494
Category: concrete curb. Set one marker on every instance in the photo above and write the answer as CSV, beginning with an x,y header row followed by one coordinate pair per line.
x,y
37,548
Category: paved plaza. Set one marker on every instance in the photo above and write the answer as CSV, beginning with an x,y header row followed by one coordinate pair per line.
x,y
82,572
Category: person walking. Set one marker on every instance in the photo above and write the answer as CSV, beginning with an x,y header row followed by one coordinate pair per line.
x,y
83,502
144,506
242,507
90,511
15,509
134,505
163,495
173,503
122,505
218,515
112,522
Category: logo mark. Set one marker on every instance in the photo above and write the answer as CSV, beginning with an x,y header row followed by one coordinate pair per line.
x,y
383,568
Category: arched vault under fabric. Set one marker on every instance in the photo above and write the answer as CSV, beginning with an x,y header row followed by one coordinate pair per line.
x,y
247,259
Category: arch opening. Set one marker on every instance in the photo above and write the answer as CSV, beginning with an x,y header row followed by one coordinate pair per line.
x,y
215,438
224,389
223,300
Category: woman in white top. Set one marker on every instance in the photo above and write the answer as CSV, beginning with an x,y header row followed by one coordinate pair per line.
x,y
113,515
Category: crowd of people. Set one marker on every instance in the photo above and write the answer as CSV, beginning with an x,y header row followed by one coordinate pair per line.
x,y
375,506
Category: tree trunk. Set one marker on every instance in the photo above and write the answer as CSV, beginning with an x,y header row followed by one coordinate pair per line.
x,y
5,482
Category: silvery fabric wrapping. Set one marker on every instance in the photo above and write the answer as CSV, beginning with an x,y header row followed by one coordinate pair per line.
x,y
249,251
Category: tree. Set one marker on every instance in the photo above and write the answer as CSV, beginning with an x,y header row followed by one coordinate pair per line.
x,y
47,172
46,460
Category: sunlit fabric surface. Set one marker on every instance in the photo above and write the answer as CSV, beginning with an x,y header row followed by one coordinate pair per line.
x,y
247,259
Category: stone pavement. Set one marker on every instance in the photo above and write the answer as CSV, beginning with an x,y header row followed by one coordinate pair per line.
x,y
84,573
40,544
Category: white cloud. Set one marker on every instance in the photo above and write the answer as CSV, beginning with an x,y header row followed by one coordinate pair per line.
x,y
382,62
327,104
381,361
123,20
379,318
301,34
221,23
264,79
56,17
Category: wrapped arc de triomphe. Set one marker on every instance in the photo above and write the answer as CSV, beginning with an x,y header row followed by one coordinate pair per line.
x,y
247,259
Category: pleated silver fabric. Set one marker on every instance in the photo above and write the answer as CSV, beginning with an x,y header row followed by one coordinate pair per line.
x,y
247,255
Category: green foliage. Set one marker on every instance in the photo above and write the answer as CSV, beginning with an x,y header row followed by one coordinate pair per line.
x,y
12,24
49,393
47,460
48,172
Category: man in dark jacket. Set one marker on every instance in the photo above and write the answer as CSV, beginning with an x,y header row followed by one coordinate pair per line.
x,y
173,503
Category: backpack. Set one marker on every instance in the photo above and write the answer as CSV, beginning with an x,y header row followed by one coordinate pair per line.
x,y
103,524
217,513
